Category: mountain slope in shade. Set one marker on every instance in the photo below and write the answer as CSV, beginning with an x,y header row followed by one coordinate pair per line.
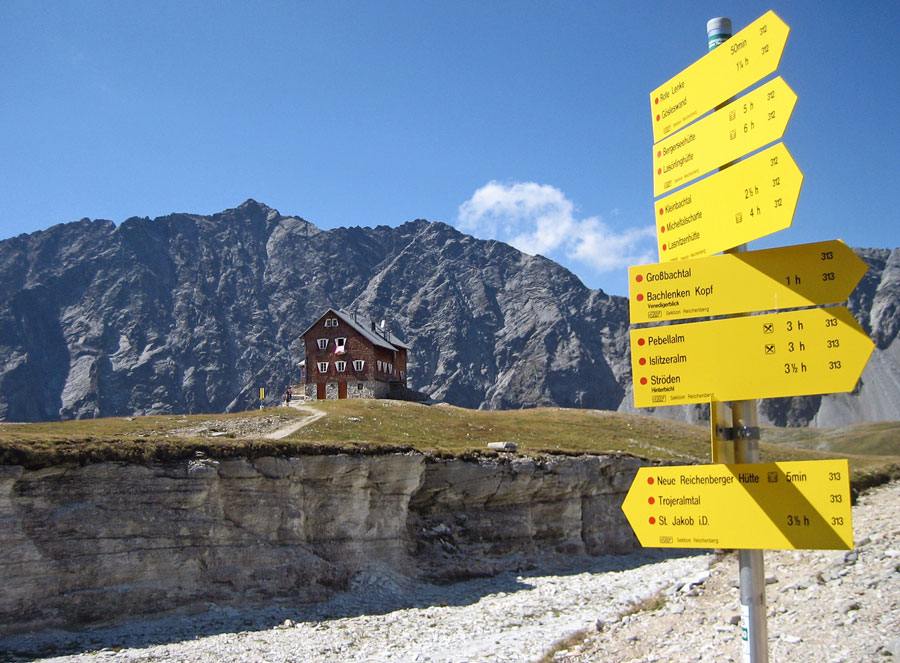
x,y
190,313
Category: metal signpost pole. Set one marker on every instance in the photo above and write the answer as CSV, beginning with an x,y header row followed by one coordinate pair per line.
x,y
754,637
754,634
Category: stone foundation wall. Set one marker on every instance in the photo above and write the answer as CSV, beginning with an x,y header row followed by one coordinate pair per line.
x,y
358,389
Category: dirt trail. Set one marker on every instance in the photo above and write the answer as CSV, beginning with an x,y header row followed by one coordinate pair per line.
x,y
294,426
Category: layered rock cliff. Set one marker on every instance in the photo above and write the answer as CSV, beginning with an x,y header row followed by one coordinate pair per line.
x,y
190,313
84,544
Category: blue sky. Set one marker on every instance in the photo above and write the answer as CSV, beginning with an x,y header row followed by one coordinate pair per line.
x,y
527,122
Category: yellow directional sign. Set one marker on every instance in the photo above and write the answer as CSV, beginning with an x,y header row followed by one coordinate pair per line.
x,y
796,353
751,199
744,125
768,280
746,58
790,505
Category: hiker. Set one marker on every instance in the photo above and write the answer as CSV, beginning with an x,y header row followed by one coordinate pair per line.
x,y
288,396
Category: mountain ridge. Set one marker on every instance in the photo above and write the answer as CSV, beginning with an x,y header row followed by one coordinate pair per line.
x,y
193,313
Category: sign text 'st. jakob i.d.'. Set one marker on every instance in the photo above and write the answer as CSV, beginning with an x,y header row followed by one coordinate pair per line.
x,y
799,504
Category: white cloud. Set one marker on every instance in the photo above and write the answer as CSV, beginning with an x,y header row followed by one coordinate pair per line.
x,y
538,218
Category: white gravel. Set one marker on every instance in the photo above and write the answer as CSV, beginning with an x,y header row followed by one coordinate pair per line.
x,y
387,617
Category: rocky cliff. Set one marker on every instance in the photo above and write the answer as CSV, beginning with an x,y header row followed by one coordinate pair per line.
x,y
189,313
103,541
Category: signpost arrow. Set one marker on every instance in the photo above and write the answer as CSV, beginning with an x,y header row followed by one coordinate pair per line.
x,y
768,280
749,56
789,505
751,199
744,125
796,353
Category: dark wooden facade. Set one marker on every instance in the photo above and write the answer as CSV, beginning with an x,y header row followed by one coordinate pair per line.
x,y
351,356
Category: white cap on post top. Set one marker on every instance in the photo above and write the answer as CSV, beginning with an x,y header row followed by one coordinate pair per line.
x,y
717,31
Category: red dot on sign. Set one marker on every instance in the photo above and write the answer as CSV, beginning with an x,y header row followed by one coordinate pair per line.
x,y
639,278
643,381
657,118
641,341
651,501
664,247
650,480
660,211
640,298
642,361
652,520
659,171
662,229
656,101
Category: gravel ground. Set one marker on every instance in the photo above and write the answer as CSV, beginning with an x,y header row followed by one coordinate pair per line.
x,y
824,606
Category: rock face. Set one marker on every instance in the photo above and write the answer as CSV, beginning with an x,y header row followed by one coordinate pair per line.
x,y
93,543
189,313
876,305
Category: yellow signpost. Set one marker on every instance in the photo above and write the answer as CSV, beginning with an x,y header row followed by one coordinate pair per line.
x,y
750,199
800,504
768,280
750,506
749,56
744,125
795,353
721,436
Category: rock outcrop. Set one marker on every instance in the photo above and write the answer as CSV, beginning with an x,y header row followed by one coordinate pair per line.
x,y
86,544
189,313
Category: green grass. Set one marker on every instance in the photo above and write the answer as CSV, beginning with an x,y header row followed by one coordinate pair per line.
x,y
451,430
880,438
646,604
131,428
565,644
135,439
376,426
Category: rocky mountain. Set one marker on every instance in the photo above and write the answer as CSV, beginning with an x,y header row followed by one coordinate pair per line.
x,y
190,313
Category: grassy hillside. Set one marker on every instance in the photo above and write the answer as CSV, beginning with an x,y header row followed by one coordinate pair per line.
x,y
877,438
451,430
368,426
